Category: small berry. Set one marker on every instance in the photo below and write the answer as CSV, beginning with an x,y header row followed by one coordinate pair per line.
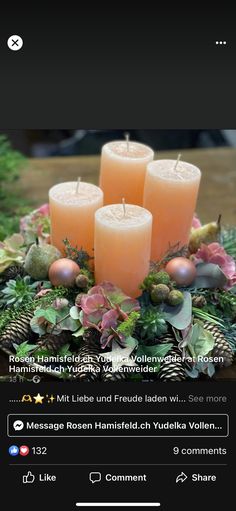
x,y
159,293
175,298
81,281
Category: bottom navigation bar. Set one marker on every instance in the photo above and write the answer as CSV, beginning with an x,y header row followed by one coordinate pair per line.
x,y
118,504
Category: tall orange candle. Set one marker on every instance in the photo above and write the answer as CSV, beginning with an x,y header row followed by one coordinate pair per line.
x,y
123,169
72,210
122,246
170,193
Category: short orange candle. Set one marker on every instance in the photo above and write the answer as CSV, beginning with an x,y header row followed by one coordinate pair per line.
x,y
170,193
72,210
122,246
123,169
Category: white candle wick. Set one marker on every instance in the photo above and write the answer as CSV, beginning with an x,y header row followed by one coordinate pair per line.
x,y
177,161
127,140
123,204
77,185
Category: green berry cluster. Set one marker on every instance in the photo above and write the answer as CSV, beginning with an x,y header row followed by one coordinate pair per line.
x,y
161,289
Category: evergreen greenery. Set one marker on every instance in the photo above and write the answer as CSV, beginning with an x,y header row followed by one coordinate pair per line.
x,y
12,208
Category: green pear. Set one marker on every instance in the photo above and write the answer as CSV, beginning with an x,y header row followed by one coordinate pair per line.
x,y
207,233
38,260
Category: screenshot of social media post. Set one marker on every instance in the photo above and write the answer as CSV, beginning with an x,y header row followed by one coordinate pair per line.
x,y
118,315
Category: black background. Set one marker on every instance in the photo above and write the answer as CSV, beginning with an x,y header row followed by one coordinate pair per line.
x,y
140,65
102,454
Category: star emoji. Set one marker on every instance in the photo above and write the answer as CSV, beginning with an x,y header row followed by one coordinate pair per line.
x,y
38,399
119,357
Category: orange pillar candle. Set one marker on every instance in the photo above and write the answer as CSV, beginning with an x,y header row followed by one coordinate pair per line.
x,y
122,246
123,169
72,210
170,193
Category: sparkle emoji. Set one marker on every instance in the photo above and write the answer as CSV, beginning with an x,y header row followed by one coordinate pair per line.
x,y
38,399
51,399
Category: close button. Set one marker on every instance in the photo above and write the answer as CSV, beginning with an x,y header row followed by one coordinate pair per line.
x,y
15,42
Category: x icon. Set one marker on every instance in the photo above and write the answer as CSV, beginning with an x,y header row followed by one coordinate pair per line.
x,y
15,42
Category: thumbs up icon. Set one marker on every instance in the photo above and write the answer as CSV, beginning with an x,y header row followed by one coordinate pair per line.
x,y
28,478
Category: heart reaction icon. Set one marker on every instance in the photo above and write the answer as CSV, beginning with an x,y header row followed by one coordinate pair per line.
x,y
24,450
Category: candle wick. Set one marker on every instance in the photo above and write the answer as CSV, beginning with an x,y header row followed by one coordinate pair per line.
x,y
123,204
77,185
177,161
127,140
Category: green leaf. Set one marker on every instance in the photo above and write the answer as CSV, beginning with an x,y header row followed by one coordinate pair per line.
x,y
74,312
156,352
79,332
209,276
23,349
51,315
179,317
37,327
39,313
206,316
200,342
67,324
43,352
64,351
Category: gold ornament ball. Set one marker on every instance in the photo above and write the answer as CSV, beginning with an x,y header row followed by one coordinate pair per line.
x,y
63,272
181,270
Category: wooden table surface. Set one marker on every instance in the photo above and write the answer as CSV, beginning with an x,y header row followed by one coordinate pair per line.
x,y
217,192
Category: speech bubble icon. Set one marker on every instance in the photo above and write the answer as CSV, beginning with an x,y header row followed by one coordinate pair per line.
x,y
95,477
18,425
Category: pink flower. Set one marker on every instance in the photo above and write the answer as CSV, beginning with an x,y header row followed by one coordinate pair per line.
x,y
91,303
196,222
215,253
43,210
109,319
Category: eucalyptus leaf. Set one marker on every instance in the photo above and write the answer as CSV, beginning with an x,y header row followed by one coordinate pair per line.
x,y
68,324
179,317
193,373
211,369
74,312
209,276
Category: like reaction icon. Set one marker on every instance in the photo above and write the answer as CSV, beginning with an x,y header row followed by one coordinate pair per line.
x,y
28,478
13,450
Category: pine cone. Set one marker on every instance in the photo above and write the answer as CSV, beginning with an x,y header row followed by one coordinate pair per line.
x,y
92,335
198,301
110,376
172,368
18,330
222,348
89,365
166,339
55,342
12,272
